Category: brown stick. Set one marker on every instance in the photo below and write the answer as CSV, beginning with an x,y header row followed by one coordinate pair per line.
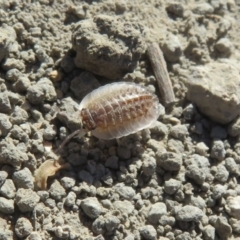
x,y
160,71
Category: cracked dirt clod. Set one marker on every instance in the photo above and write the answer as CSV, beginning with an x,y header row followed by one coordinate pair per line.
x,y
107,50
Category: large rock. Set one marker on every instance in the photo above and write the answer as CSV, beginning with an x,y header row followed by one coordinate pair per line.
x,y
215,89
107,46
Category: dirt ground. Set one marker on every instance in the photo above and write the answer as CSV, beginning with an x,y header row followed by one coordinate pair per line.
x,y
177,179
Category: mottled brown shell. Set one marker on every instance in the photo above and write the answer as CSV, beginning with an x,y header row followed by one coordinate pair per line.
x,y
118,109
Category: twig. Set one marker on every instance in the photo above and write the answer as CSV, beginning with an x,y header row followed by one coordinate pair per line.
x,y
160,70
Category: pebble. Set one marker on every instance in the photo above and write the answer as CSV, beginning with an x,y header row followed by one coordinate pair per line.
x,y
6,205
222,174
5,124
23,179
70,199
68,182
218,132
125,192
232,166
156,211
202,149
124,206
26,199
218,191
98,226
57,191
172,48
123,153
112,162
5,105
203,9
189,213
234,128
196,173
209,232
8,189
159,128
171,186
189,111
175,146
22,84
232,206
6,234
148,232
23,227
18,116
111,223
149,166
175,8
169,161
222,227
218,152
224,45
91,207
3,177
179,132
86,176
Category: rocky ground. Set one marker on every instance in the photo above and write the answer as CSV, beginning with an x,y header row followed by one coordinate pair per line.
x,y
177,180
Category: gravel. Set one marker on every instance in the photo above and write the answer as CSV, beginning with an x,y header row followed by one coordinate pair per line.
x,y
177,179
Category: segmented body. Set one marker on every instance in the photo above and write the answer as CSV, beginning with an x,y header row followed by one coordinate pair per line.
x,y
118,109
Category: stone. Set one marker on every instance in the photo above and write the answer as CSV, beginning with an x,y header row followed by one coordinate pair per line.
x,y
234,128
98,226
224,45
209,232
149,166
23,227
232,206
203,9
208,89
91,207
189,213
6,234
218,132
221,174
23,179
18,116
5,106
8,189
148,232
57,191
172,48
42,91
84,84
3,177
26,199
5,124
124,206
111,223
179,132
112,162
196,173
222,227
125,192
103,54
70,199
218,191
123,153
171,186
8,36
156,211
6,205
218,151
169,161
